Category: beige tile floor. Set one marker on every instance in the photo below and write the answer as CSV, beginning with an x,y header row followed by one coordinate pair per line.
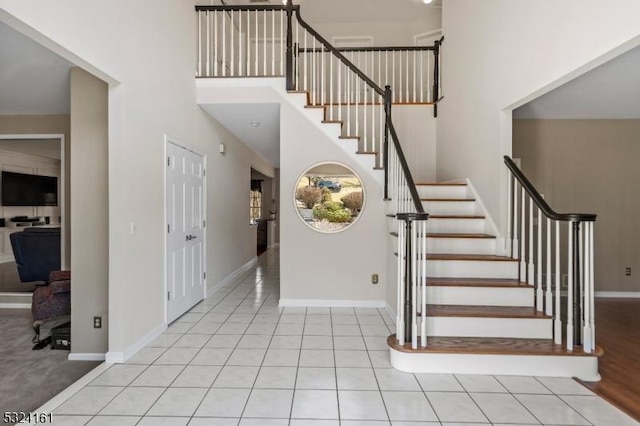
x,y
239,359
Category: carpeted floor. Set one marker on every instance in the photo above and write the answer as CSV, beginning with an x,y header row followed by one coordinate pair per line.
x,y
30,378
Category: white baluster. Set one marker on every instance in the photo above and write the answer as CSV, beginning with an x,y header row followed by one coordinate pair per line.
x,y
570,290
531,265
322,85
313,75
224,46
232,47
264,43
273,43
330,86
414,84
549,294
393,76
241,70
199,68
515,247
257,65
557,319
407,98
523,239
306,67
283,48
401,272
509,238
423,305
215,47
586,327
539,292
592,320
414,289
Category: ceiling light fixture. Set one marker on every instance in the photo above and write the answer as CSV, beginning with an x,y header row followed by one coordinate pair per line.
x,y
255,123
427,1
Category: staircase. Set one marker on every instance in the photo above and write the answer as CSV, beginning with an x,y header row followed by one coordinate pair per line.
x,y
463,305
481,318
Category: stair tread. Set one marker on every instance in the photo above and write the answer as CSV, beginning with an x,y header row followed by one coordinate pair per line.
x,y
448,199
367,152
484,311
453,235
492,346
348,137
484,257
332,121
458,235
476,282
441,184
456,216
314,106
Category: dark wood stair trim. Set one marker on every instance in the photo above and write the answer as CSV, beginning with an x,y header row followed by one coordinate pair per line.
x,y
448,200
469,311
456,216
454,235
470,257
477,282
491,346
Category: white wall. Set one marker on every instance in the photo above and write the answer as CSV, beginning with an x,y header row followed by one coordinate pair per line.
x,y
89,212
318,267
416,129
499,54
148,59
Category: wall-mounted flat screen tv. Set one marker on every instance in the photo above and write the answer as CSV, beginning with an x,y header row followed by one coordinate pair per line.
x,y
20,189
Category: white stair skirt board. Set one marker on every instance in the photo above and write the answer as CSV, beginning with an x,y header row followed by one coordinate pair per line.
x,y
481,296
442,191
460,226
450,207
523,328
472,269
582,367
461,245
331,303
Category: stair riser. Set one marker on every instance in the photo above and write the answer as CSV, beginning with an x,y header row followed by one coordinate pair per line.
x,y
461,245
480,296
450,207
584,367
462,226
442,191
472,269
523,328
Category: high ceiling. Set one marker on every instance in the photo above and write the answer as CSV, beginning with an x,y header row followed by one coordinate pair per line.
x,y
34,80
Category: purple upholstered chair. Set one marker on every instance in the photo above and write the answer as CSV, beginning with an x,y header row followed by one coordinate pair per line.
x,y
51,301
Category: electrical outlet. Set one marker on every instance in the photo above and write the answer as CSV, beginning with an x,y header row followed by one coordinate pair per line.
x,y
627,271
374,279
97,322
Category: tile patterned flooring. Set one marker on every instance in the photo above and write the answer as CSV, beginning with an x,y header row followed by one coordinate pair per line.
x,y
238,359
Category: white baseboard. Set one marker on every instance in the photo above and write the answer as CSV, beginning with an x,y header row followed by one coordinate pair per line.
x,y
119,357
250,264
15,305
332,303
618,294
86,357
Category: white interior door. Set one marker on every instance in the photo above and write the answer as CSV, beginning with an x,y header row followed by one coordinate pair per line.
x,y
185,245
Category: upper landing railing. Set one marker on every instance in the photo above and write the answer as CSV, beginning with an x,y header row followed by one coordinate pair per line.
x,y
251,41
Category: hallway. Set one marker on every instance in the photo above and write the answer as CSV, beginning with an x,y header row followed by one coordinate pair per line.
x,y
238,359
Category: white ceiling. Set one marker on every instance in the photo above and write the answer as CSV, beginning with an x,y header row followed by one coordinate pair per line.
x,y
611,90
263,138
33,80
